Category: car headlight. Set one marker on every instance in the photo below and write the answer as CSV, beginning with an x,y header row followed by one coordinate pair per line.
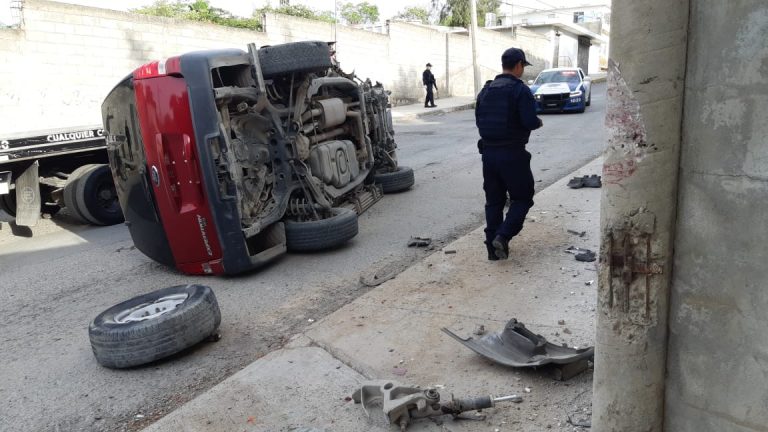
x,y
537,96
576,93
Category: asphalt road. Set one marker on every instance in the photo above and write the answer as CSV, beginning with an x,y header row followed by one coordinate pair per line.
x,y
55,282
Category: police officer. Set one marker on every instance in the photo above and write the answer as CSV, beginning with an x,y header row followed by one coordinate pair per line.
x,y
429,80
505,115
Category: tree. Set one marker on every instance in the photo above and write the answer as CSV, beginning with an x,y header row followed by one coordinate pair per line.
x,y
456,13
198,10
414,14
360,13
300,11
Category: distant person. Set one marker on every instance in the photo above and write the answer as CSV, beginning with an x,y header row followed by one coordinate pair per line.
x,y
505,115
429,80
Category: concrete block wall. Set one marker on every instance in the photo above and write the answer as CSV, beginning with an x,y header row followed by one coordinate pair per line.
x,y
64,60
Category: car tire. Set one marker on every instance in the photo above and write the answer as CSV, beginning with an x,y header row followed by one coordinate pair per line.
x,y
122,338
91,194
296,57
589,99
395,181
310,236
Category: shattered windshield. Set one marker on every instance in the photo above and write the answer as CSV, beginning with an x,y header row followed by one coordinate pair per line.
x,y
569,76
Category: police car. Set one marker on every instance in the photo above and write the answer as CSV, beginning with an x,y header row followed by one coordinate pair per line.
x,y
561,89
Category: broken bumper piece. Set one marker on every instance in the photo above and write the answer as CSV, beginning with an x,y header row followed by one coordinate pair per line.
x,y
516,346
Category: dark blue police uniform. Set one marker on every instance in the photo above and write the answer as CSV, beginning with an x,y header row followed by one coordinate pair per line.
x,y
505,115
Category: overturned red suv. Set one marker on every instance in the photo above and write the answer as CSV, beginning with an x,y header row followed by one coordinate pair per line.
x,y
223,160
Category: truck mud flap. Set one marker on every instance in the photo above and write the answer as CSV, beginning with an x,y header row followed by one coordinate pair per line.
x,y
28,197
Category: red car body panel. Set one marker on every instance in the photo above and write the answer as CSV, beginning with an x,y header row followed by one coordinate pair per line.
x,y
168,133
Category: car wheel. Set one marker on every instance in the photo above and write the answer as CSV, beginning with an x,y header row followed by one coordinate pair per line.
x,y
321,234
589,99
91,194
395,181
296,57
153,326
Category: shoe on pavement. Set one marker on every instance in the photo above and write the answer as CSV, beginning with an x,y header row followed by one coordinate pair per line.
x,y
593,181
491,252
500,247
434,106
576,182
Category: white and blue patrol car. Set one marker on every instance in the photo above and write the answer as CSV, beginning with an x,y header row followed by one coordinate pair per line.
x,y
561,89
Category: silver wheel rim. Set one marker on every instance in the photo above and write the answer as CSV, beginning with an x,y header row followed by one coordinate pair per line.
x,y
152,310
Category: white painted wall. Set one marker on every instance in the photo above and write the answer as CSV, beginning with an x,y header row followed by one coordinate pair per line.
x,y
59,66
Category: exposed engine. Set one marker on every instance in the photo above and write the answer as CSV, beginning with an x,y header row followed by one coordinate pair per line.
x,y
298,144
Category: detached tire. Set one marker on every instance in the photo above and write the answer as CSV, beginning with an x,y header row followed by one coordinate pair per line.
x,y
154,326
295,57
323,234
396,181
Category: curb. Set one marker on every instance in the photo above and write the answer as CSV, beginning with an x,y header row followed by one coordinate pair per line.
x,y
436,112
447,110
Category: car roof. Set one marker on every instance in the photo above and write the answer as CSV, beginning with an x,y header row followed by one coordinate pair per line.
x,y
562,69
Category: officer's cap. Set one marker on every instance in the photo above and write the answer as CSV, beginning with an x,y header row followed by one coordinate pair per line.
x,y
429,64
512,56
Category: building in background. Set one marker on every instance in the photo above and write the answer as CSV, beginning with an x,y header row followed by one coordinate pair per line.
x,y
579,36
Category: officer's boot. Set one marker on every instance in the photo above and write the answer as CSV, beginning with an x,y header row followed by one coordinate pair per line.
x,y
500,247
491,251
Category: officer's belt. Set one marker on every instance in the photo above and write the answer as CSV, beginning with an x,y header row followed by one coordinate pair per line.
x,y
504,143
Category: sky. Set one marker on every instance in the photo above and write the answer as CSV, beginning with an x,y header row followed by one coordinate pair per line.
x,y
387,8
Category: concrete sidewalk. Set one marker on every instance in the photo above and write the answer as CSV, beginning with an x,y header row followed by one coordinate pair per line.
x,y
444,105
393,333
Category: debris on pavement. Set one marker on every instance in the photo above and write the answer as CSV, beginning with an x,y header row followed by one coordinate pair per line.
x,y
578,233
589,283
450,251
516,346
419,242
581,254
590,181
399,371
376,279
403,404
479,330
579,420
566,372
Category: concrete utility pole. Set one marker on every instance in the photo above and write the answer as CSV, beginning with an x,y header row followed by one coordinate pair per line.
x,y
473,35
646,76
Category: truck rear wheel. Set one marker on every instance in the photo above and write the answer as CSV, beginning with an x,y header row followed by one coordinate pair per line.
x,y
8,203
91,197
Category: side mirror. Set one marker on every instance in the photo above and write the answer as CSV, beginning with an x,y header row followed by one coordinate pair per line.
x,y
530,82
586,78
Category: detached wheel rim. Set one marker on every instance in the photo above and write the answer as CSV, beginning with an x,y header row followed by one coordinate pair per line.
x,y
148,311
